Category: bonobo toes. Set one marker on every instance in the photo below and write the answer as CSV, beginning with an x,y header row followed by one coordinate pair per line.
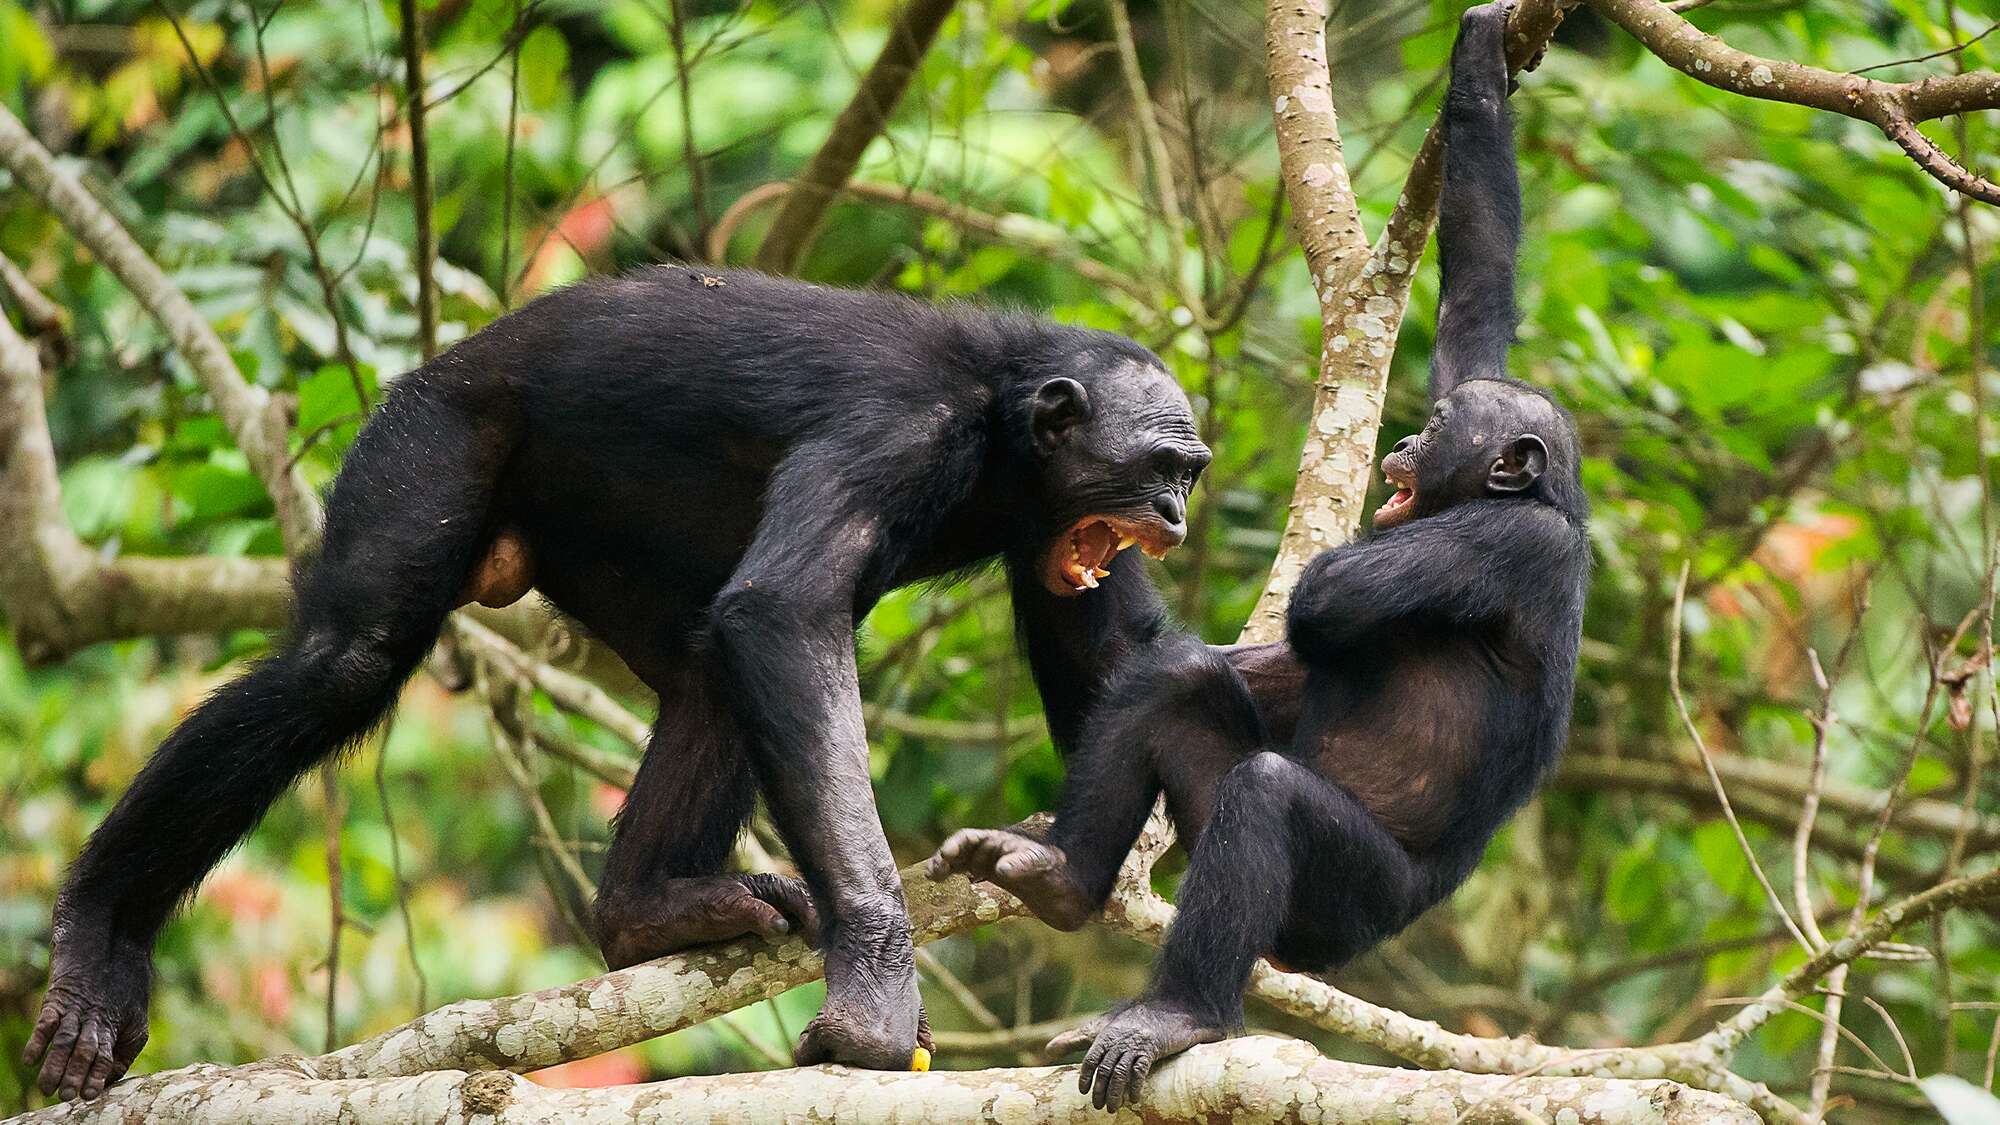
x,y
696,911
1126,1043
92,1023
1034,872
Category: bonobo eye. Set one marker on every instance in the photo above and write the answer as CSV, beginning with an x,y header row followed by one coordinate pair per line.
x,y
1519,465
1179,469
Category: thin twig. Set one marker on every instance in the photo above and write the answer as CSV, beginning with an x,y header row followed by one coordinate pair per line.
x,y
329,776
420,178
1708,763
396,873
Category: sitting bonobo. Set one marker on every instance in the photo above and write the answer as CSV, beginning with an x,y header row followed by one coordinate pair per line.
x,y
1332,789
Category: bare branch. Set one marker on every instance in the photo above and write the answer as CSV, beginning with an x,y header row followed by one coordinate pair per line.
x,y
1893,107
866,115
246,408
603,1013
58,593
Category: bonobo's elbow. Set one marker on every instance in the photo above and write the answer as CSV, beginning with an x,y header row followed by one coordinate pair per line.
x,y
1323,616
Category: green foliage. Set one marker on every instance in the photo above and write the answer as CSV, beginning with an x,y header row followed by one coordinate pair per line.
x,y
1758,314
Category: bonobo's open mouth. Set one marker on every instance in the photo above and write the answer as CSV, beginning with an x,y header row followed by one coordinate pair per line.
x,y
1082,554
1403,504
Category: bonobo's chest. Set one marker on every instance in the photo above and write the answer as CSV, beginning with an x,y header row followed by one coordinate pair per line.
x,y
1404,732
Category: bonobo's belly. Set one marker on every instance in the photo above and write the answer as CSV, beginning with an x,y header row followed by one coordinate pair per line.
x,y
1408,731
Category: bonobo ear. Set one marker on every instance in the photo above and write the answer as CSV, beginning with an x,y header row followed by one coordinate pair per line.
x,y
1060,406
1519,466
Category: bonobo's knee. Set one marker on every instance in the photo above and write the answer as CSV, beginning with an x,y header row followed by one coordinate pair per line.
x,y
745,618
349,673
1182,680
1266,779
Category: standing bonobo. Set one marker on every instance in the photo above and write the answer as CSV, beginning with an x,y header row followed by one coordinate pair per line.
x,y
717,474
1334,788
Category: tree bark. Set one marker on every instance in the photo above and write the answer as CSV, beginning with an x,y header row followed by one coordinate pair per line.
x,y
1272,1080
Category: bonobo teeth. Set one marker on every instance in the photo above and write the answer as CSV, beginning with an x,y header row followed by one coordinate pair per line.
x,y
1101,572
1089,581
1126,540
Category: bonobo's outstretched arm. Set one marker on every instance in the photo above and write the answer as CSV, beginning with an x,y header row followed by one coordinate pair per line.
x,y
1479,212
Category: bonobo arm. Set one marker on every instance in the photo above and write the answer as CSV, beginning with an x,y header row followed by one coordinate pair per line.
x,y
837,524
1469,564
1074,645
1479,210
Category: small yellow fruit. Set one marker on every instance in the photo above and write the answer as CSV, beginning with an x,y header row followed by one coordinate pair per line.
x,y
920,1060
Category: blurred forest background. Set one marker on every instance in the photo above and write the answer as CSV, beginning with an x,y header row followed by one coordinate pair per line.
x,y
1768,322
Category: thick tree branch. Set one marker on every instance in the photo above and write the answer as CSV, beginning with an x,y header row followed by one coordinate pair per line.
x,y
247,410
604,1013
866,115
58,593
1893,107
1277,1080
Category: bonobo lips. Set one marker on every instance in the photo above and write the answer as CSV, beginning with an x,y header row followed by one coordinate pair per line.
x,y
1082,554
1403,504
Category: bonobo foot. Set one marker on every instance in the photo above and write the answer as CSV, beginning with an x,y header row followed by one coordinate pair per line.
x,y
873,1042
93,1019
1124,1045
695,911
1030,870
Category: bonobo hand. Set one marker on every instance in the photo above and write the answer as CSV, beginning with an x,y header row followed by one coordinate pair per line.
x,y
93,1019
1124,1045
695,911
1037,873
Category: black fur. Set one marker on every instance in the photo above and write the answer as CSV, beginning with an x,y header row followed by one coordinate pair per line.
x,y
1334,788
717,473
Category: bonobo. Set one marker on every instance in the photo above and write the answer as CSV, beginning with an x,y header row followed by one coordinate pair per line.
x,y
717,474
1333,789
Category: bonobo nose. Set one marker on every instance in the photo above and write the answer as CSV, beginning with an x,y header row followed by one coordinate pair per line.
x,y
1174,512
1407,445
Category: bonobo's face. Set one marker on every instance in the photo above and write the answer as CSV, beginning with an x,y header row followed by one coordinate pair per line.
x,y
1119,454
1488,438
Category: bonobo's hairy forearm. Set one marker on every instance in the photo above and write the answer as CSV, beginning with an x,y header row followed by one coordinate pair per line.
x,y
1479,213
1439,567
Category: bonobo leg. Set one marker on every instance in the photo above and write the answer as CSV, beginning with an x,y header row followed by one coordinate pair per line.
x,y
1289,860
663,888
827,546
402,533
1176,721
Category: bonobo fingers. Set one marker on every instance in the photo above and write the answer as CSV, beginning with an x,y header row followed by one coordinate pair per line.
x,y
688,912
971,852
1075,1039
1035,872
793,898
91,1026
1127,1042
